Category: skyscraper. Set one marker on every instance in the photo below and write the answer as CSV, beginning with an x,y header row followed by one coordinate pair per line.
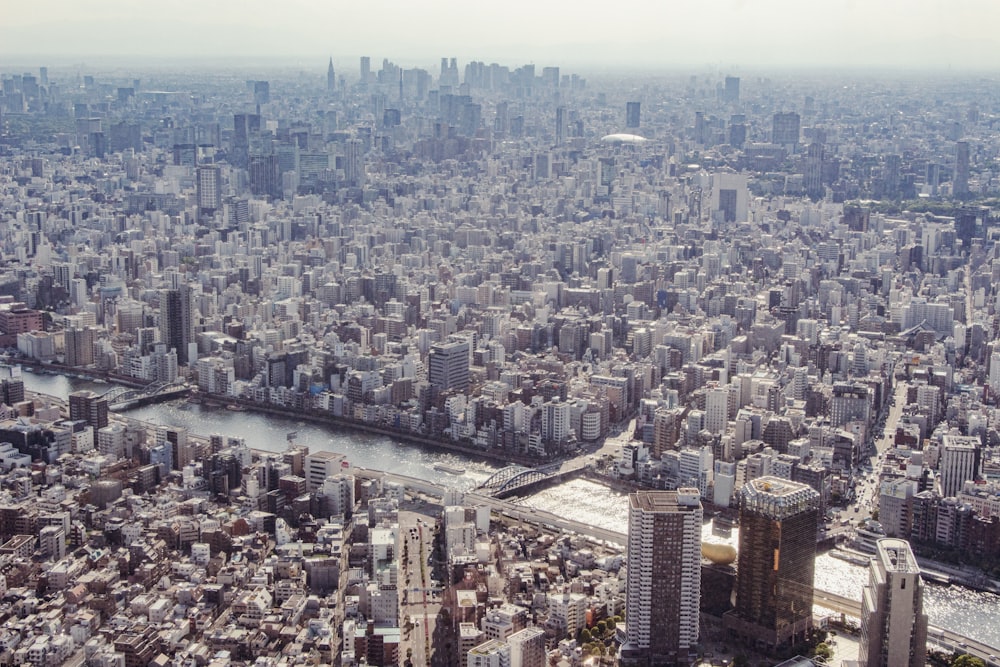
x,y
79,346
331,78
209,189
785,128
354,162
731,93
175,321
774,581
960,186
448,365
663,584
265,176
959,463
560,124
632,114
366,70
893,622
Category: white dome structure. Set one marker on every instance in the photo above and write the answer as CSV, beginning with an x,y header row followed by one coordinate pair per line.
x,y
622,138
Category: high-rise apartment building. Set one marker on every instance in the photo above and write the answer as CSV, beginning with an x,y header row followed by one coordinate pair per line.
x,y
777,552
176,329
492,653
893,622
663,584
79,346
527,647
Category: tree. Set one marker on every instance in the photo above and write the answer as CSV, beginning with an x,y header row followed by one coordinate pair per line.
x,y
585,636
602,628
966,660
823,651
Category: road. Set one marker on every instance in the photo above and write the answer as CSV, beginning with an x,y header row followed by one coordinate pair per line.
x,y
416,540
866,486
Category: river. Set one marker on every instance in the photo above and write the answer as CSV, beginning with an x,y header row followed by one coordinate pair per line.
x,y
955,608
270,433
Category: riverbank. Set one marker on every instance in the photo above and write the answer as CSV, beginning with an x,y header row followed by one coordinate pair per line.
x,y
91,374
326,419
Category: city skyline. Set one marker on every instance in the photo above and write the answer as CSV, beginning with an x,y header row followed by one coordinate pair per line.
x,y
357,361
651,35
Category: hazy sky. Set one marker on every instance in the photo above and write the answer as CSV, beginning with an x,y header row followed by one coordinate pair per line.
x,y
956,34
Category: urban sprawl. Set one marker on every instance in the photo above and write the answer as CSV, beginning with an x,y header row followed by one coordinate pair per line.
x,y
765,301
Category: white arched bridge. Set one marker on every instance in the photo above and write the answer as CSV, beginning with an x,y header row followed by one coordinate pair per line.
x,y
507,480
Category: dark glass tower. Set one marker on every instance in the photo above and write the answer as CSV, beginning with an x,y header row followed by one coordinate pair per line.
x,y
774,579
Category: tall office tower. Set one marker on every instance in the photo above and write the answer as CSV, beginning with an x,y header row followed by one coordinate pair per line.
x,y
785,129
814,171
448,365
331,78
560,124
959,462
261,92
632,114
89,407
246,127
354,162
777,553
79,346
893,622
730,199
717,409
175,439
961,185
893,164
472,116
731,93
663,582
209,189
501,123
176,329
265,175
737,130
366,70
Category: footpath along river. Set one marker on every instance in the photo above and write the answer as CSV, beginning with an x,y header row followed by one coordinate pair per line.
x,y
956,608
